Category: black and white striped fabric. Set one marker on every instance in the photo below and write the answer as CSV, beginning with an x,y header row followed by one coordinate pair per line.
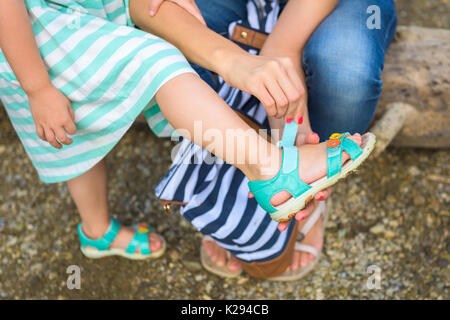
x,y
217,193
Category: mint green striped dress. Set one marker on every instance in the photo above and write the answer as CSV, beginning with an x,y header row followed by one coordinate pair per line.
x,y
109,70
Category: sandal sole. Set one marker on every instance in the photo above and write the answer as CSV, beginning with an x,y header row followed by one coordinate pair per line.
x,y
287,210
92,253
302,272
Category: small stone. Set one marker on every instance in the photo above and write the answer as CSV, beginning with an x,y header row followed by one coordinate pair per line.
x,y
209,286
419,200
52,275
391,199
414,171
198,278
174,255
192,266
393,223
2,148
242,281
389,234
377,229
37,268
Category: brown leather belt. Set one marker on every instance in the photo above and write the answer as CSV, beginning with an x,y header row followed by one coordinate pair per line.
x,y
248,37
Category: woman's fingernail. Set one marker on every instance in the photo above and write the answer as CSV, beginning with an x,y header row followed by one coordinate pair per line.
x,y
320,197
315,135
152,13
289,120
300,120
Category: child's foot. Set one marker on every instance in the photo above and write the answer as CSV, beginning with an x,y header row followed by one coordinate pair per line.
x,y
127,233
312,166
123,238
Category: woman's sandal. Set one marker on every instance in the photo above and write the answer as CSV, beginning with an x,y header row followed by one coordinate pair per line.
x,y
212,267
224,272
292,275
289,180
99,248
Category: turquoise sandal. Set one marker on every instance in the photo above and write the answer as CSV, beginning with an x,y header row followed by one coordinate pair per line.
x,y
289,180
99,248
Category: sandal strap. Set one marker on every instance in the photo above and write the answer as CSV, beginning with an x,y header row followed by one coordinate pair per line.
x,y
337,144
320,209
102,243
289,134
306,248
287,179
140,240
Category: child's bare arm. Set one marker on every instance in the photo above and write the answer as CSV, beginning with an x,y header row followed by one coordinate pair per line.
x,y
274,81
51,110
19,46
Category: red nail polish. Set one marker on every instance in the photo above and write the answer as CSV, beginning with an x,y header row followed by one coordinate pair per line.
x,y
320,198
300,120
289,120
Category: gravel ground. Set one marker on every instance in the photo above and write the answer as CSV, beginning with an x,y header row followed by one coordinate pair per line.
x,y
395,218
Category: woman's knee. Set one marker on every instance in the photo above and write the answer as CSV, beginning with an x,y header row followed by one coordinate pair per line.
x,y
343,76
343,88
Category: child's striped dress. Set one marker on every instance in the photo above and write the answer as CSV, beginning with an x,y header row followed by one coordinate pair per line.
x,y
109,70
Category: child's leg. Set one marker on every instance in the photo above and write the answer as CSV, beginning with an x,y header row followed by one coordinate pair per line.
x,y
186,100
90,193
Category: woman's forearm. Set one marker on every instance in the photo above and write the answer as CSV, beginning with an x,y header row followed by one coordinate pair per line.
x,y
272,80
198,43
297,22
19,46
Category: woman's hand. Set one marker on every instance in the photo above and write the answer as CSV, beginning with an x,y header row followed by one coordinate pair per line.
x,y
188,5
273,80
53,115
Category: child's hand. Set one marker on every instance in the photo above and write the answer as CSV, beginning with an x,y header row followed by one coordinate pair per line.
x,y
53,116
188,5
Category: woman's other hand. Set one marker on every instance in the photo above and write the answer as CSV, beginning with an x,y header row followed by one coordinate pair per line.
x,y
188,5
273,80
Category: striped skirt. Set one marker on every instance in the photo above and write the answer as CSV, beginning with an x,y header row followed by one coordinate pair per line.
x,y
109,70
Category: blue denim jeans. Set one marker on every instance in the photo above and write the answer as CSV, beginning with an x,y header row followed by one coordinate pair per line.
x,y
342,60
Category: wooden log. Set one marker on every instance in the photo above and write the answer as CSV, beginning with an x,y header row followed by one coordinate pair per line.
x,y
417,72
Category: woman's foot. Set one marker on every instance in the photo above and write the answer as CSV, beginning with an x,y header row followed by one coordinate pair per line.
x,y
300,259
123,237
314,238
220,256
